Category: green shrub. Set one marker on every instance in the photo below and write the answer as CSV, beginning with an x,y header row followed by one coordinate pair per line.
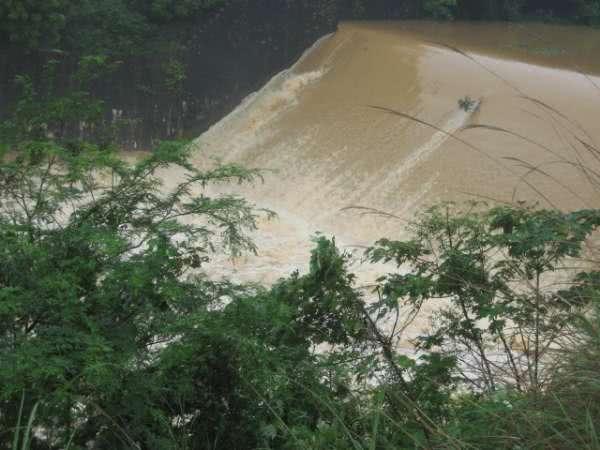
x,y
440,9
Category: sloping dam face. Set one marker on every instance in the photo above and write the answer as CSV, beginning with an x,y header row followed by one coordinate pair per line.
x,y
326,134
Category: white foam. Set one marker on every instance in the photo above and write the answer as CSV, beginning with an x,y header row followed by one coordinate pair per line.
x,y
456,121
247,125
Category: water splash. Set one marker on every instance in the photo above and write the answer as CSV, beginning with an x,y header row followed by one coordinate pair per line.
x,y
251,118
457,120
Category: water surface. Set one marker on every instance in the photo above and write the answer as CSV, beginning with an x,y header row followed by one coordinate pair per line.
x,y
319,130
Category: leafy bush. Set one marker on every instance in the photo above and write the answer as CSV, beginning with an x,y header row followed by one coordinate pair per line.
x,y
440,9
588,11
113,336
495,268
34,24
119,27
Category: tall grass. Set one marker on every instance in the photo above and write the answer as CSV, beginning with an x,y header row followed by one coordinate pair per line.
x,y
566,414
22,434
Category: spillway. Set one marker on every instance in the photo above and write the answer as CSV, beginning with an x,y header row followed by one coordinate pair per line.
x,y
369,120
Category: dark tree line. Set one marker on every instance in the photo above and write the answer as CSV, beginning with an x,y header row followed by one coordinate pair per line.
x,y
581,11
60,22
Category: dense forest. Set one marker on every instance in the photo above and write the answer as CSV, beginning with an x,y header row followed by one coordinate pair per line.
x,y
113,336
122,26
177,67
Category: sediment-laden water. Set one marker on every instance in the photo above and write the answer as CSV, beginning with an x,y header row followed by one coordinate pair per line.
x,y
330,145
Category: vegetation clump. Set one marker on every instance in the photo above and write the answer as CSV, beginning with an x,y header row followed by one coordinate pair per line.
x,y
113,336
440,9
467,104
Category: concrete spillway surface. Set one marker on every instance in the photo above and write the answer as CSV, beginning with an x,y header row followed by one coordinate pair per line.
x,y
322,131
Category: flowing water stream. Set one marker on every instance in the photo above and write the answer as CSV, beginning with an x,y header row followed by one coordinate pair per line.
x,y
324,133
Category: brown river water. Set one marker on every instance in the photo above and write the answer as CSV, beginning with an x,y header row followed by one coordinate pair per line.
x,y
317,131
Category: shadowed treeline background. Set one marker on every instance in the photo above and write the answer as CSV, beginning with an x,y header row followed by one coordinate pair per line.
x,y
178,67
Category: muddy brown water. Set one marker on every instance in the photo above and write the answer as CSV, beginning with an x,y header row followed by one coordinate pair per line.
x,y
325,147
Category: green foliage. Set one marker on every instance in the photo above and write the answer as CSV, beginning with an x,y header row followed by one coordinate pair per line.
x,y
24,431
329,307
108,27
325,14
112,332
494,270
34,24
513,9
175,75
588,11
112,335
115,27
87,291
358,9
440,9
573,11
126,27
95,271
169,10
564,415
46,114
